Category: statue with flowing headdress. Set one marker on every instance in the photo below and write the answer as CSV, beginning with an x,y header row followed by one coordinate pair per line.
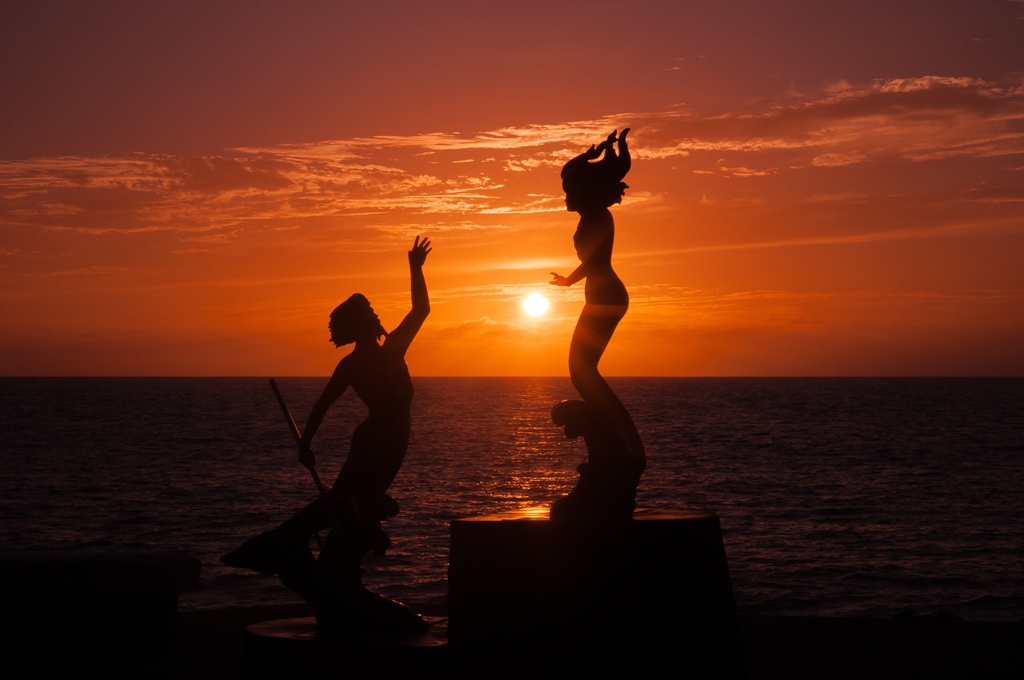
x,y
608,480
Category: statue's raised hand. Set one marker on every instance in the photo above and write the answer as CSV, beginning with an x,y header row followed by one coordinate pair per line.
x,y
418,254
606,145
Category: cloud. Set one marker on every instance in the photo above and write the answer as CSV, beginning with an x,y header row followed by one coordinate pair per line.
x,y
837,160
405,231
742,171
912,118
1013,194
221,237
427,178
950,229
80,271
667,306
500,292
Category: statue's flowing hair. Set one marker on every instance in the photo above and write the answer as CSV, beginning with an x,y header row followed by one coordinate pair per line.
x,y
596,184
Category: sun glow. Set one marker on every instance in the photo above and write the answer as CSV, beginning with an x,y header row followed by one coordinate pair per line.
x,y
535,304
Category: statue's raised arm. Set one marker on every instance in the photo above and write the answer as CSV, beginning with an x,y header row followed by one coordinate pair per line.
x,y
400,338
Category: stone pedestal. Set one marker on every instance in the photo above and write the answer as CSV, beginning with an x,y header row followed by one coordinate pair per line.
x,y
117,593
651,592
68,611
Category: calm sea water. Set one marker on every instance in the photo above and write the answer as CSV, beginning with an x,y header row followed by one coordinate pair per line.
x,y
837,497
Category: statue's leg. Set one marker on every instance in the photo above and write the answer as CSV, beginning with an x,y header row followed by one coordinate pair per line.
x,y
286,546
593,331
344,549
615,454
272,551
343,602
371,465
375,457
609,479
318,581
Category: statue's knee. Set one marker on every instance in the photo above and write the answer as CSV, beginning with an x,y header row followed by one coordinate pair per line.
x,y
578,382
578,365
585,377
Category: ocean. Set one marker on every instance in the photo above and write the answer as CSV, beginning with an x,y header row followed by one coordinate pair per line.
x,y
837,496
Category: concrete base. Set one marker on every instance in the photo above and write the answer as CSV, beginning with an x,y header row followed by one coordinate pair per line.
x,y
105,593
296,648
652,591
88,609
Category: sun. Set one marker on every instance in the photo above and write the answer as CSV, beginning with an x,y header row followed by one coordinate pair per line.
x,y
535,304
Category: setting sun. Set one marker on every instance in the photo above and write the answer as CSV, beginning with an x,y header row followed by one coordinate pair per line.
x,y
535,304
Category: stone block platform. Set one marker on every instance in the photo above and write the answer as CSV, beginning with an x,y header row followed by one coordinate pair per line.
x,y
657,584
65,611
126,592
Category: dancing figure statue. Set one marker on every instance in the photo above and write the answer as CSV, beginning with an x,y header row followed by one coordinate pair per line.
x,y
616,456
356,504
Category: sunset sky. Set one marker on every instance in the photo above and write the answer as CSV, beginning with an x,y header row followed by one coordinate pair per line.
x,y
190,188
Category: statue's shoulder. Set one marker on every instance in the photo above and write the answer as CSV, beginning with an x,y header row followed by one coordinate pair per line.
x,y
347,366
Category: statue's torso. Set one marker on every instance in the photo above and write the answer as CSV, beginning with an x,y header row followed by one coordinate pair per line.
x,y
594,239
381,379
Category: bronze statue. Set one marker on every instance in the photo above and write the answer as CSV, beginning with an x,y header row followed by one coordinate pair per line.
x,y
356,504
616,453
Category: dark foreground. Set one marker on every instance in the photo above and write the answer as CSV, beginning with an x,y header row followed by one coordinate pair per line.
x,y
211,644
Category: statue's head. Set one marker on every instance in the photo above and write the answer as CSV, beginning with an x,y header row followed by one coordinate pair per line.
x,y
352,320
597,185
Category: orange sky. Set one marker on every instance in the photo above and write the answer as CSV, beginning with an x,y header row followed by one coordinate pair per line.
x,y
190,191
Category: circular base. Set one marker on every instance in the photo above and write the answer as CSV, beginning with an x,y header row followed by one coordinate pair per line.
x,y
288,646
305,632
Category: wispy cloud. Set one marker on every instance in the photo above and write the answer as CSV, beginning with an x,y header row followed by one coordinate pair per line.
x,y
949,229
912,118
427,178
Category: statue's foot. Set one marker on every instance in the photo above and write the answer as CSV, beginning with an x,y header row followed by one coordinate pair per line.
x,y
300,575
271,552
352,609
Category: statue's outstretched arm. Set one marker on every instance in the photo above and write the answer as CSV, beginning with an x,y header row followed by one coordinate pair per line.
x,y
578,274
402,337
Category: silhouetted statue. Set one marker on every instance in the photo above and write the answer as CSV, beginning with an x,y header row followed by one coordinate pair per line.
x,y
616,453
356,504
